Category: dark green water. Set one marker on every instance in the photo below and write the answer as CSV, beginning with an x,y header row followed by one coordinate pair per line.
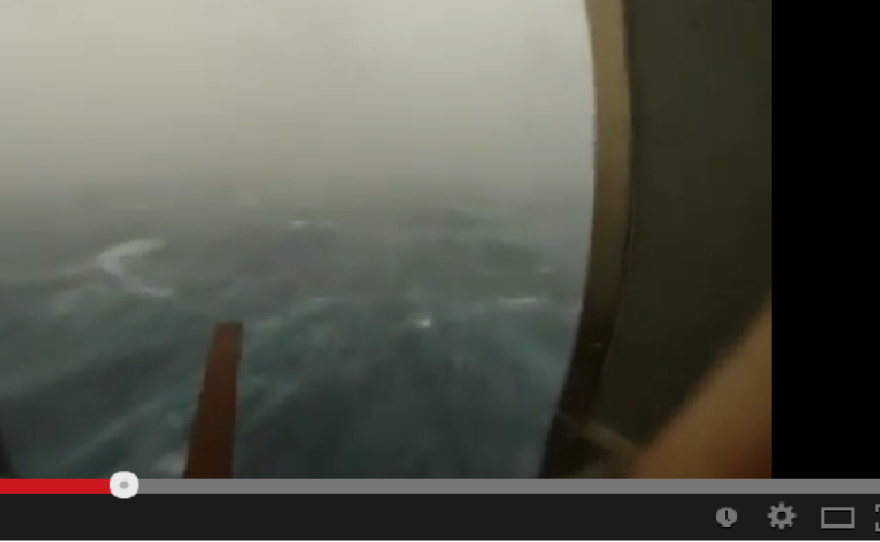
x,y
395,340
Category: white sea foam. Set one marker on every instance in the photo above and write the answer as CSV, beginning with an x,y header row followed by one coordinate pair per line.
x,y
421,321
520,302
117,260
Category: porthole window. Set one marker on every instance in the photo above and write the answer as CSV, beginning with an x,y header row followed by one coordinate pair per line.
x,y
398,200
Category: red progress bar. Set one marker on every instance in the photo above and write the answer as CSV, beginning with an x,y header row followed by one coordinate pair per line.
x,y
55,487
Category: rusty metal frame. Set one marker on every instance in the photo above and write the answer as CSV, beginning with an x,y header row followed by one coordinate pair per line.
x,y
568,440
212,439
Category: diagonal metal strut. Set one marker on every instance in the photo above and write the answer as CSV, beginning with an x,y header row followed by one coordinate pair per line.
x,y
213,430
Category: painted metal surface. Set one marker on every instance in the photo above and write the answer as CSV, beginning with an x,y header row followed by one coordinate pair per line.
x,y
701,258
211,442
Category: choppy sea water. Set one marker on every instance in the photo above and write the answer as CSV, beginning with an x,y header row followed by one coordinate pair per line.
x,y
400,340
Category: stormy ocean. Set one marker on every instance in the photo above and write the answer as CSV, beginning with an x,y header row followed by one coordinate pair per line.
x,y
428,340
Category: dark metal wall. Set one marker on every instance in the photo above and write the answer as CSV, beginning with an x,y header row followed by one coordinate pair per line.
x,y
700,258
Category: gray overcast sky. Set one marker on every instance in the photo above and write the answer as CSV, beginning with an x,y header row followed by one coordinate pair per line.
x,y
339,91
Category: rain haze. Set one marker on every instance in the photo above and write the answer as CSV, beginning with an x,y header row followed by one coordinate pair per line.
x,y
393,196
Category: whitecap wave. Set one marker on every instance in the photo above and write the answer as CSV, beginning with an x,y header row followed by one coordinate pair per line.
x,y
421,321
312,305
171,464
116,261
523,304
520,302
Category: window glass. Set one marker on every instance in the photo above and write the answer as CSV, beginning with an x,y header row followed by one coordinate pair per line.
x,y
394,197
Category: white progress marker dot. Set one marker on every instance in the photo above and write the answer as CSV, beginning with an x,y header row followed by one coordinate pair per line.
x,y
124,485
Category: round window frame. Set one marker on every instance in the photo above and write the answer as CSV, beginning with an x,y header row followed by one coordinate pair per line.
x,y
569,443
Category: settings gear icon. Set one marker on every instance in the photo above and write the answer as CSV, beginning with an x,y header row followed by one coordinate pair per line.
x,y
781,516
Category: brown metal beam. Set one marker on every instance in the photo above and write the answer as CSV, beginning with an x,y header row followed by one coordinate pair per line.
x,y
212,438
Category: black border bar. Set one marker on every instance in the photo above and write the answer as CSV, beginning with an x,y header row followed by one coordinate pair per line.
x,y
426,517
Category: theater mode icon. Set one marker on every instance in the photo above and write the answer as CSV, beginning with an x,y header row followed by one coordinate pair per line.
x,y
838,517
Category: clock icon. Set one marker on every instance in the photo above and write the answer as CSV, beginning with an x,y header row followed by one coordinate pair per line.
x,y
725,517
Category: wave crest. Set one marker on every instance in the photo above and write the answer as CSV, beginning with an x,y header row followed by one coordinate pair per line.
x,y
116,261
